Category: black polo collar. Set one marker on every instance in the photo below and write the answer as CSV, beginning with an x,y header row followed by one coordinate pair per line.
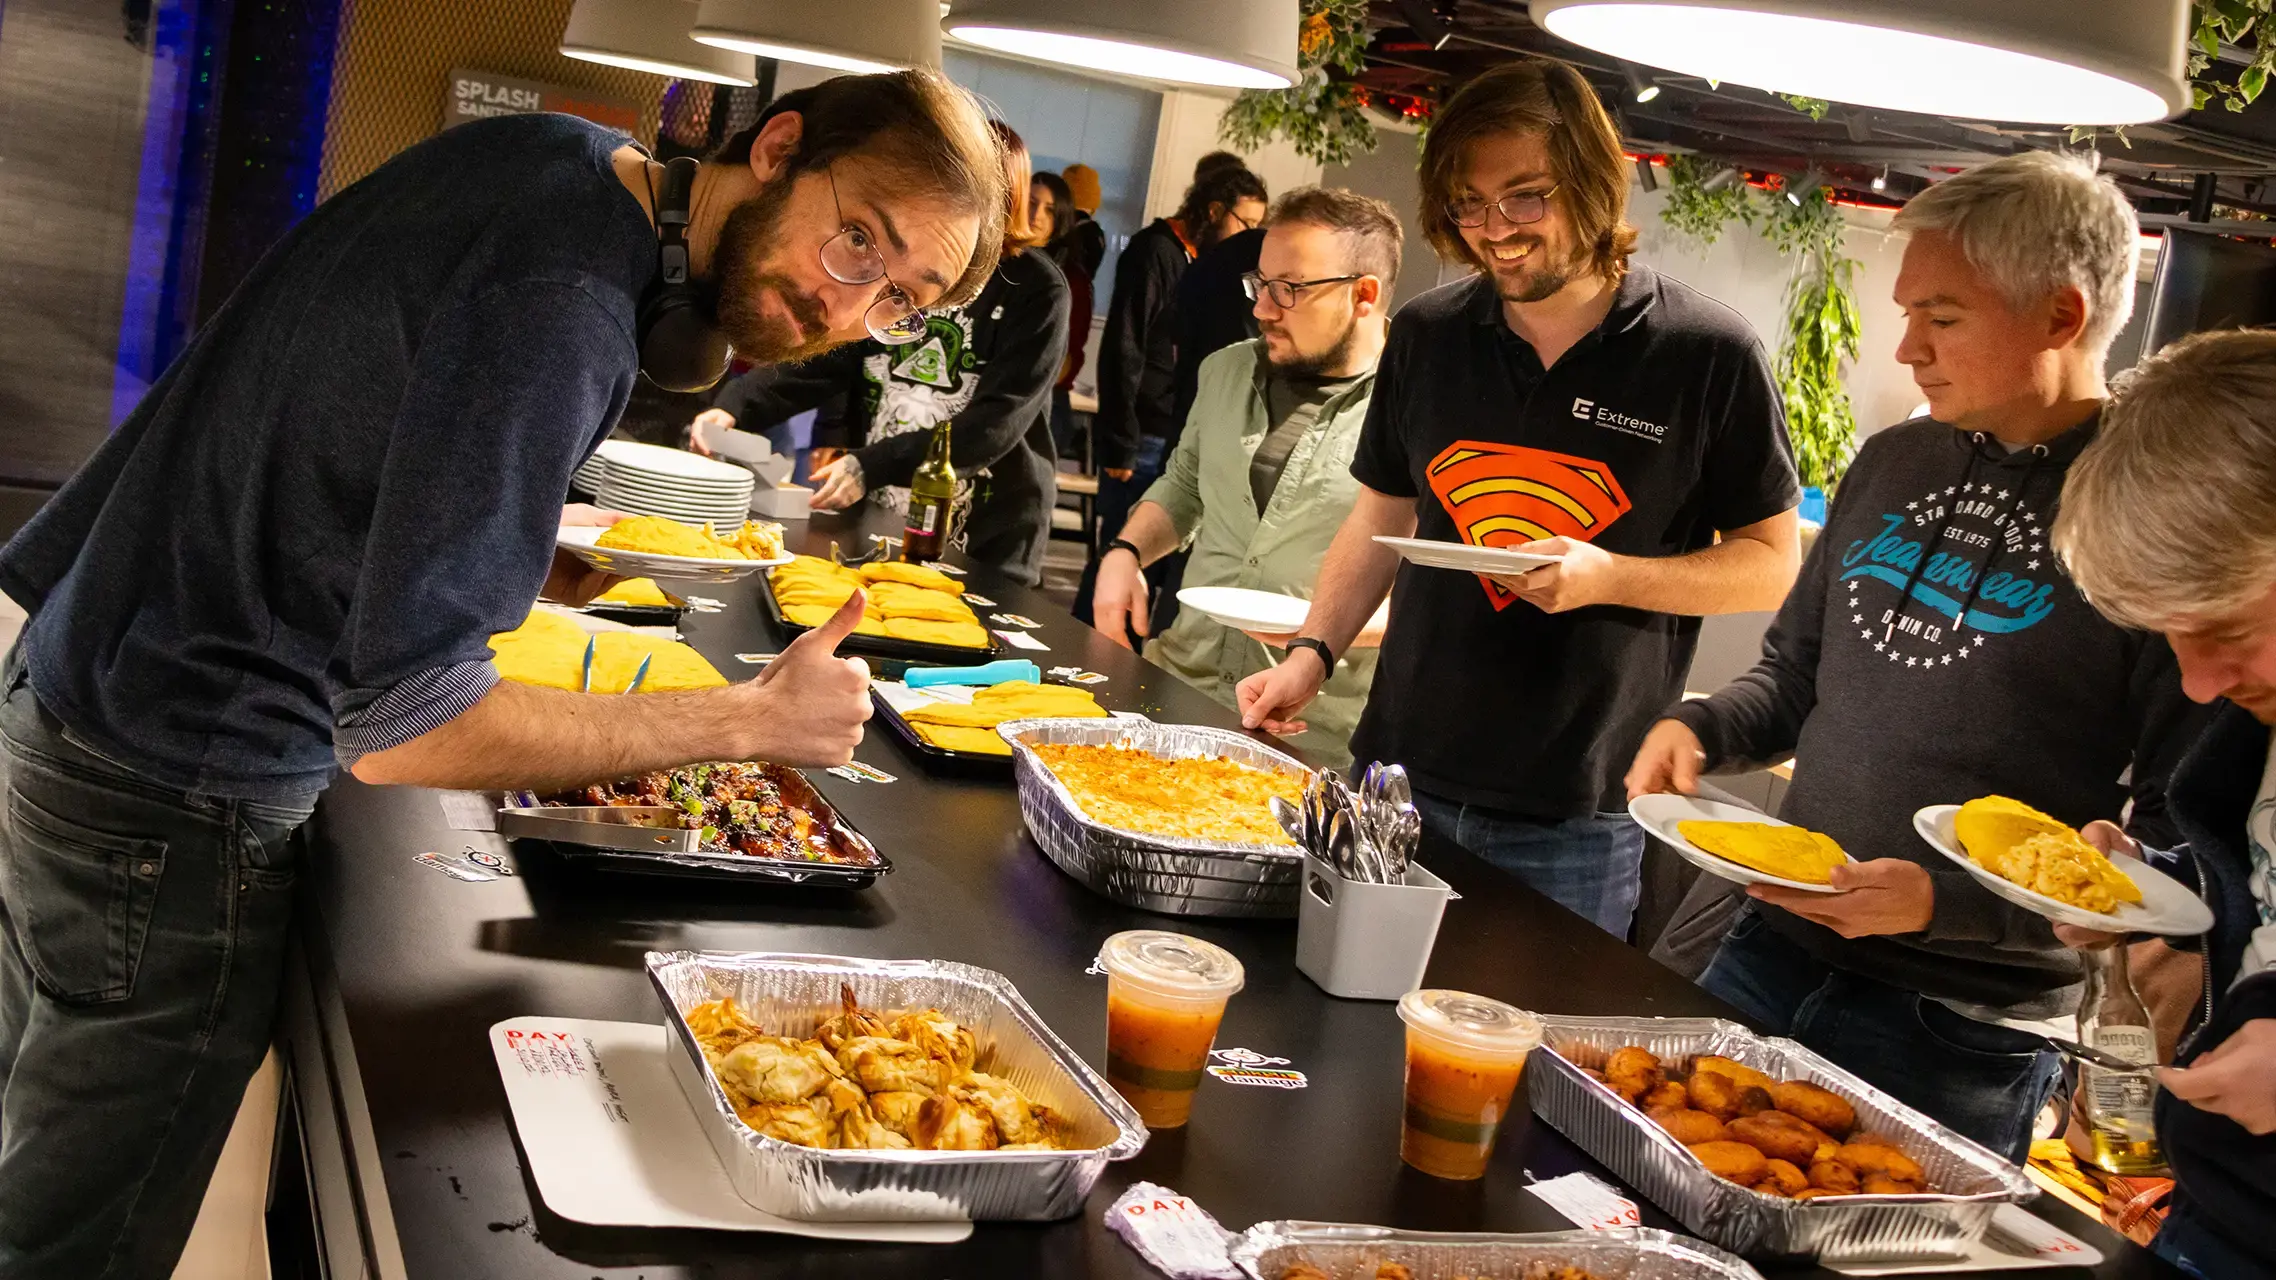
x,y
1634,299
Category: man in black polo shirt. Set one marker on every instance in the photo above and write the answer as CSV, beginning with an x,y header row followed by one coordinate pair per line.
x,y
1573,405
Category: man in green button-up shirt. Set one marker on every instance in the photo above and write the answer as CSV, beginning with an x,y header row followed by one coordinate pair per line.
x,y
1261,479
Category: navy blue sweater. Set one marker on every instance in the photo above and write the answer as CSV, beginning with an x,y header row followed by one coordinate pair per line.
x,y
296,547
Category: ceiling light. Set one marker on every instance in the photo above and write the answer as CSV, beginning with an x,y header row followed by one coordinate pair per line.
x,y
859,36
2035,61
1641,87
1881,179
1799,189
1645,175
651,36
1722,180
1250,45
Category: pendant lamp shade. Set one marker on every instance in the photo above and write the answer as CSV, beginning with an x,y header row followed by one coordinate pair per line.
x,y
844,35
1236,44
2083,62
652,36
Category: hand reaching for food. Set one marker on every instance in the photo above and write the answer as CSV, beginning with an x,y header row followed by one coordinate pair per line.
x,y
1669,760
838,483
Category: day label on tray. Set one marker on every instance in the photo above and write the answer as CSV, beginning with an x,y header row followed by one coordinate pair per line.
x,y
1589,1202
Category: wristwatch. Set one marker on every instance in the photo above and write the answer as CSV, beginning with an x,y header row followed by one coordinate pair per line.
x,y
1320,647
1124,544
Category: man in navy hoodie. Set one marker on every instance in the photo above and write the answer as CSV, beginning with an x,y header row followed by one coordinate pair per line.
x,y
1932,652
2169,522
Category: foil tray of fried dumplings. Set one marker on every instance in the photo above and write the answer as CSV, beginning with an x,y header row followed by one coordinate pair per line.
x,y
1151,872
1348,1251
791,994
1968,1181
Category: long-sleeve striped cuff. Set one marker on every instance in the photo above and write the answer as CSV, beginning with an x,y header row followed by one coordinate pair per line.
x,y
410,707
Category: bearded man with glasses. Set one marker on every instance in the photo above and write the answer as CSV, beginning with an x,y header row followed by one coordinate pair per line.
x,y
1574,405
289,560
1260,479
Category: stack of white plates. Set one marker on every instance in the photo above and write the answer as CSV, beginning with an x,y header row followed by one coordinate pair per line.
x,y
647,480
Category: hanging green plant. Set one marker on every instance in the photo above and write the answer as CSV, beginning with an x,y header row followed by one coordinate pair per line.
x,y
1814,108
2219,22
1325,115
1822,328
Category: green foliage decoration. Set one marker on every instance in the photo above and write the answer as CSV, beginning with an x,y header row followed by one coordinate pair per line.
x,y
2219,22
1325,115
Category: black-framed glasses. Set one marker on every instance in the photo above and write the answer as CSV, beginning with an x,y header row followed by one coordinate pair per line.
x,y
1283,292
852,257
1517,208
1247,224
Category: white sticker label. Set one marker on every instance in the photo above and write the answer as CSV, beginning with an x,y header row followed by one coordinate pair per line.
x,y
1022,640
1589,1202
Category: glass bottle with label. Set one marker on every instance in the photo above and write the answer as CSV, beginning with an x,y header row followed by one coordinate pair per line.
x,y
2116,1106
932,501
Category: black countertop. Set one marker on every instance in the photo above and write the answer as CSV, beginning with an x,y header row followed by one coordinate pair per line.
x,y
411,1148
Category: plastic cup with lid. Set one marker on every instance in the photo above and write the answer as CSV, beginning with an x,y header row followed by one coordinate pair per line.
x,y
1465,1054
1165,994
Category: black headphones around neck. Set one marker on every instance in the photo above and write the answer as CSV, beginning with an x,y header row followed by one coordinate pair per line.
x,y
681,347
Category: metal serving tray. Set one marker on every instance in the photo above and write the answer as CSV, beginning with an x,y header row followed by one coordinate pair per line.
x,y
631,847
1972,1180
882,646
1153,873
1351,1252
791,994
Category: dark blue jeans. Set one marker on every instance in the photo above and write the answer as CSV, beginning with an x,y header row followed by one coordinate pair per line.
x,y
1115,499
1592,866
142,936
1983,1079
2189,1242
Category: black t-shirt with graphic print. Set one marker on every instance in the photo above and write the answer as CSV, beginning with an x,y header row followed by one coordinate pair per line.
x,y
1655,431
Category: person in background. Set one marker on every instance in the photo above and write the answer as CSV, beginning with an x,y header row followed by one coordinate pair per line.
x,y
1136,386
1053,216
1261,477
2169,522
987,368
1579,406
1213,311
1217,162
1932,591
290,559
1090,237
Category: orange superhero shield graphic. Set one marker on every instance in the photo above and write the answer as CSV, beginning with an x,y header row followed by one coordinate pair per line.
x,y
1501,495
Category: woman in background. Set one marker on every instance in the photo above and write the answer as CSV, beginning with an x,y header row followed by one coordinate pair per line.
x,y
1051,211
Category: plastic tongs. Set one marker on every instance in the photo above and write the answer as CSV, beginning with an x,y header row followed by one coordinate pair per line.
x,y
585,683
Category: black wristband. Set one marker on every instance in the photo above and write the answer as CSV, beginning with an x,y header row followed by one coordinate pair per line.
x,y
1327,656
1124,544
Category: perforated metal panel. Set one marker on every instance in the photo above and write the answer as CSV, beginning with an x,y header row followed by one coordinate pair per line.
x,y
396,56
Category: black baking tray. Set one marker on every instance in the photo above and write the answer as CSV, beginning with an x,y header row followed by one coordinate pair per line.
x,y
940,759
642,615
735,867
884,646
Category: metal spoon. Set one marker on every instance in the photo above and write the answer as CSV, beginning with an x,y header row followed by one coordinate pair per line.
x,y
1291,820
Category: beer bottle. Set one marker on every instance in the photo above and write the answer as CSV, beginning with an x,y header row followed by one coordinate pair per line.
x,y
2116,1105
932,501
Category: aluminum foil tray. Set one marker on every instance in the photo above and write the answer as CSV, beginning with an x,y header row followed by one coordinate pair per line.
x,y
791,994
1153,873
1349,1252
601,848
1971,1180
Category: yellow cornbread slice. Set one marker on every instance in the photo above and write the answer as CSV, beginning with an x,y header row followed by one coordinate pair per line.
x,y
639,592
2023,846
965,635
1790,853
965,738
915,575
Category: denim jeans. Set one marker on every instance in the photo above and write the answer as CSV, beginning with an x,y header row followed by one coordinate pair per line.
x,y
2190,1243
1115,499
1593,866
1983,1079
142,936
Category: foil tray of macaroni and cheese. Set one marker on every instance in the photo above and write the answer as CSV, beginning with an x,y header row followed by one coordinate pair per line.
x,y
1185,877
1968,1182
1349,1251
791,994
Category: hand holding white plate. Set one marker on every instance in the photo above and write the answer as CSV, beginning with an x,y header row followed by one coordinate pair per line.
x,y
578,540
1659,814
2167,907
1433,554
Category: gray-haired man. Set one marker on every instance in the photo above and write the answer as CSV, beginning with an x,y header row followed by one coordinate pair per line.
x,y
1933,652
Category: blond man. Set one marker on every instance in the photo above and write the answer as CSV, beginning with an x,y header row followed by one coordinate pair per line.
x,y
1585,408
2169,522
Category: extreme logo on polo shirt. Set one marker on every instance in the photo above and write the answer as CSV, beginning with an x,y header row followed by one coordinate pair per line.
x,y
1503,495
1963,530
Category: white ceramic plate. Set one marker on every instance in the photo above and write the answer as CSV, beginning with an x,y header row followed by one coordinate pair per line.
x,y
1433,554
578,539
2167,906
1659,814
1246,609
630,457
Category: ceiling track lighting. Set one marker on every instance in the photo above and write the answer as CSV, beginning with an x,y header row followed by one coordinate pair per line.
x,y
1799,189
1249,45
2110,62
1722,180
1881,179
857,36
1425,22
1645,175
1641,88
651,36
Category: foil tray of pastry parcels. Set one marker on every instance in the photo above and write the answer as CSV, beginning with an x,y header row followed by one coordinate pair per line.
x,y
791,994
1150,872
1347,1251
1971,1180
